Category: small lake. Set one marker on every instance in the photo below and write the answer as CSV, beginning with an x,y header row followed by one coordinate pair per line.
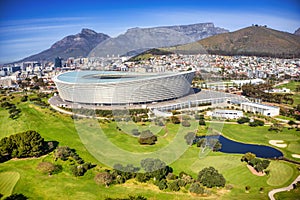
x,y
230,146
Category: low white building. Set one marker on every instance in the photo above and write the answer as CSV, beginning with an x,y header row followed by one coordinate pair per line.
x,y
249,81
227,114
260,108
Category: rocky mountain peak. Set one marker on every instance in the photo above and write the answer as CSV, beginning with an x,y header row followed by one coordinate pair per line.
x,y
87,31
297,32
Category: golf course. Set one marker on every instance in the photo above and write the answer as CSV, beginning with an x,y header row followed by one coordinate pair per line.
x,y
87,136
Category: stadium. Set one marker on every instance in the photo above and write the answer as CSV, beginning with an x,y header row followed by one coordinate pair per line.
x,y
117,88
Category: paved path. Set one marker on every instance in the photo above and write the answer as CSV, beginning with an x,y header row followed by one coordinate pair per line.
x,y
290,187
71,113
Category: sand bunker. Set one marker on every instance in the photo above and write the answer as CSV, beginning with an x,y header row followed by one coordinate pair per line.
x,y
278,143
296,155
253,171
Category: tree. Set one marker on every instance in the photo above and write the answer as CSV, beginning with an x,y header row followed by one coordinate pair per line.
x,y
175,120
16,197
248,156
201,142
22,145
104,178
217,146
196,188
189,138
202,122
147,137
151,164
210,177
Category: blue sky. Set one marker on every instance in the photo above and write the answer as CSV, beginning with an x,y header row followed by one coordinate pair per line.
x,y
30,26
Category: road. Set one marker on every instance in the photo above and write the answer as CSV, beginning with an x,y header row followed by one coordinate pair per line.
x,y
290,187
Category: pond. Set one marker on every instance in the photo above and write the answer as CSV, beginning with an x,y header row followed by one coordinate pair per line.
x,y
262,151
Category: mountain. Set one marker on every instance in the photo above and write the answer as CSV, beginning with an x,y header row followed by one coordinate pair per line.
x,y
136,40
254,40
297,32
78,45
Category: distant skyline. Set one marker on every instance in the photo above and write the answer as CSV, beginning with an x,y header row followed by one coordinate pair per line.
x,y
31,26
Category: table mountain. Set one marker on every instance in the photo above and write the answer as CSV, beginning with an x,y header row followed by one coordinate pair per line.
x,y
254,40
136,40
78,45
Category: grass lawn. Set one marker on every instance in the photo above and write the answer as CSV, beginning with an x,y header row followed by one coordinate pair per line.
x,y
292,194
55,126
292,85
8,180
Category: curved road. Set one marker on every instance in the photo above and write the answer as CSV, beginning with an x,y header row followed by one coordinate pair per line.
x,y
290,187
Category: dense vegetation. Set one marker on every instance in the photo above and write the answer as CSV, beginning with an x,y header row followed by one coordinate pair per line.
x,y
258,164
22,145
257,91
77,165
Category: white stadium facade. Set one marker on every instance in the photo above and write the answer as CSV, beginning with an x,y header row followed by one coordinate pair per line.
x,y
111,87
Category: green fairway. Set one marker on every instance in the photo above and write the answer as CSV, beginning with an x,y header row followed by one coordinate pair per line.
x,y
8,180
280,174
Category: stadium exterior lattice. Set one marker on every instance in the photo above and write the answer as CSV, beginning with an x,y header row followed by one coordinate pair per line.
x,y
110,87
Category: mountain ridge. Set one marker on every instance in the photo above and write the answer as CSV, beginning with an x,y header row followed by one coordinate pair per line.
x,y
78,45
253,40
133,41
154,37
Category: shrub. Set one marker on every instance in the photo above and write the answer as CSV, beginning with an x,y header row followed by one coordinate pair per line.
x,y
243,120
186,123
104,178
173,186
24,98
142,177
196,188
46,167
135,132
256,122
171,176
162,184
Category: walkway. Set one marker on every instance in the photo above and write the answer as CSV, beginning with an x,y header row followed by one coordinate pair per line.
x,y
290,187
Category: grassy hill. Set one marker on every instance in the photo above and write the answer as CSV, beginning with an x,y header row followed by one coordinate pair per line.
x,y
250,41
